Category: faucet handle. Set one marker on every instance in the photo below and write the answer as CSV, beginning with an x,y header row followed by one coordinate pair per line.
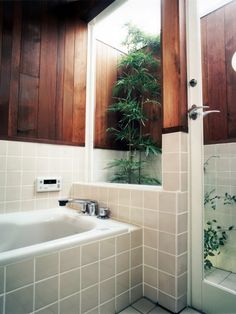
x,y
104,212
63,202
92,208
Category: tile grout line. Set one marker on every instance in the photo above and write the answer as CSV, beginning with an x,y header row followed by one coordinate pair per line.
x,y
34,285
59,281
4,289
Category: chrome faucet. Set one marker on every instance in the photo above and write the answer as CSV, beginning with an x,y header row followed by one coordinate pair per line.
x,y
89,207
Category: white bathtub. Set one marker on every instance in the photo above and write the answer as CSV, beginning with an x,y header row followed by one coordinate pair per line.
x,y
36,232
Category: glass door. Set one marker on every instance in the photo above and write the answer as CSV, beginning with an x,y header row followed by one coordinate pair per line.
x,y
211,50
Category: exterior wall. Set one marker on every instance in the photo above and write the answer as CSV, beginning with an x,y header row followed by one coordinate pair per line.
x,y
220,176
21,163
162,212
103,276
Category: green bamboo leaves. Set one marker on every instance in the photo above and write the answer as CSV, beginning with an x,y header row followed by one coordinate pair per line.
x,y
137,86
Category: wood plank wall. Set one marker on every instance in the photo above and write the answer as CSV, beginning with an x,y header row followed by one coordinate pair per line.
x,y
219,78
174,86
174,77
107,59
42,74
43,71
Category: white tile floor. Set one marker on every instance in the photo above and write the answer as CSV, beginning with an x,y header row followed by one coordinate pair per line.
x,y
222,277
215,275
145,306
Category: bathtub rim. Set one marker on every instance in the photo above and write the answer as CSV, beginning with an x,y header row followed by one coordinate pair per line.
x,y
44,248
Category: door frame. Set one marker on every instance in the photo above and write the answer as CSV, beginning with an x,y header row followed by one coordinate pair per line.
x,y
202,295
196,191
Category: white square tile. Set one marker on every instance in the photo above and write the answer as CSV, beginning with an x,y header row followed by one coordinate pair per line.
x,y
230,282
14,148
188,310
159,310
3,148
144,305
129,310
217,275
29,149
3,163
14,163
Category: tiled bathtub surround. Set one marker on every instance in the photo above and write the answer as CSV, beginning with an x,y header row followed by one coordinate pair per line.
x,y
162,212
21,163
220,176
103,276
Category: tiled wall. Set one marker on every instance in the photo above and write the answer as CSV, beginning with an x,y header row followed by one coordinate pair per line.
x,y
220,176
99,277
162,212
21,163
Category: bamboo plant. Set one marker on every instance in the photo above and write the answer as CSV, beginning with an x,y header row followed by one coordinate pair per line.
x,y
137,86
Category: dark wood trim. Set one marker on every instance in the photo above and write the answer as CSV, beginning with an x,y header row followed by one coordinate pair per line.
x,y
175,129
110,148
5,69
223,141
37,140
97,9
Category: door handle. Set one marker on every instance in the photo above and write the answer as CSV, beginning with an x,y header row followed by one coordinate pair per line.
x,y
205,113
193,112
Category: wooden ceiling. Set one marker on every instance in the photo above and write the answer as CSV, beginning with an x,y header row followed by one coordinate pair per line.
x,y
89,9
84,9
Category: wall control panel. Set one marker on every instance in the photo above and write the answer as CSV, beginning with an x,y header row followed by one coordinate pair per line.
x,y
48,184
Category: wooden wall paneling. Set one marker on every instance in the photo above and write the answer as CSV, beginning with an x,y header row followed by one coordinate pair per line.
x,y
100,68
109,119
216,75
48,71
154,125
28,101
15,74
205,74
107,59
60,79
5,73
230,49
173,64
1,20
80,70
31,37
68,98
29,70
183,66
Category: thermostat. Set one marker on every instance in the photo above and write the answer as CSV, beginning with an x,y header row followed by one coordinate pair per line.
x,y
48,184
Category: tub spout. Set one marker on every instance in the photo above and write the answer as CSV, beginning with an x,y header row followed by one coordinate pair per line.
x,y
89,207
